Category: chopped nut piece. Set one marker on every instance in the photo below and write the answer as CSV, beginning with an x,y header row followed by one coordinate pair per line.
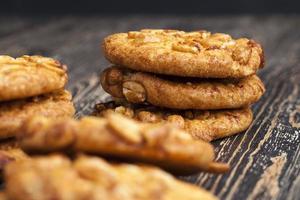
x,y
125,111
134,92
242,54
114,76
185,48
176,120
125,128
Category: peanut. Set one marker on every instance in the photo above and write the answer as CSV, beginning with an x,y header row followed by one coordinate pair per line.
x,y
134,92
125,128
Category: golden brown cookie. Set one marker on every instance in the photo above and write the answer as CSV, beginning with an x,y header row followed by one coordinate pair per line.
x,y
116,136
204,125
10,152
28,76
178,93
13,113
11,155
91,178
191,54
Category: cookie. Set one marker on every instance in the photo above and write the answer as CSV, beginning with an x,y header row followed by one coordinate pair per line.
x,y
10,152
13,113
11,155
28,76
204,125
172,92
118,137
190,54
57,177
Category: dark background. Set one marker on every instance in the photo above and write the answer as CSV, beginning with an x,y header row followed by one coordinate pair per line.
x,y
153,6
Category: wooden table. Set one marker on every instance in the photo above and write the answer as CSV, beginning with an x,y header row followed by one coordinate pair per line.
x,y
265,160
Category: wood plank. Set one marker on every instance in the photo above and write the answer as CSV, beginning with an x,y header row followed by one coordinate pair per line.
x,y
265,160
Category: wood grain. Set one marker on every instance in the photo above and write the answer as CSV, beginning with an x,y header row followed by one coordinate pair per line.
x,y
265,159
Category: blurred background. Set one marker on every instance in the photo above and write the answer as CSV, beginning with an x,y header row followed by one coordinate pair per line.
x,y
150,6
72,30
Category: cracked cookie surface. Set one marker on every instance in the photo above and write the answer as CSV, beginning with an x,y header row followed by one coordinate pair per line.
x,y
13,113
192,54
183,93
57,177
28,76
116,136
204,125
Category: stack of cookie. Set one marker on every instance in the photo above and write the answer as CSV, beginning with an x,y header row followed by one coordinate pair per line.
x,y
29,85
201,82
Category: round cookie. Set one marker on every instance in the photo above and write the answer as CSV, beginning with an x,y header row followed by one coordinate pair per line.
x,y
120,138
53,105
56,177
204,125
28,76
169,92
189,54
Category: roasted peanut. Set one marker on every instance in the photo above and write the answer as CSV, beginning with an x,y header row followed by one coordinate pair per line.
x,y
125,128
134,92
146,116
185,47
176,120
114,76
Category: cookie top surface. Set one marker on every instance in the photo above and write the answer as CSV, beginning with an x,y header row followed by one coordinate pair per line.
x,y
181,93
28,76
204,125
95,179
56,104
116,136
192,54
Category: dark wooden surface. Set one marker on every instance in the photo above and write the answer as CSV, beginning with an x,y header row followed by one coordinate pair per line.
x,y
265,160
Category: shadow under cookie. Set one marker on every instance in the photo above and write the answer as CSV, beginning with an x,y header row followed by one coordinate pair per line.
x,y
178,93
53,105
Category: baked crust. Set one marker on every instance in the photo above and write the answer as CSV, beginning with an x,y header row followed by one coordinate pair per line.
x,y
204,125
28,76
171,92
10,152
116,136
13,113
191,54
56,177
